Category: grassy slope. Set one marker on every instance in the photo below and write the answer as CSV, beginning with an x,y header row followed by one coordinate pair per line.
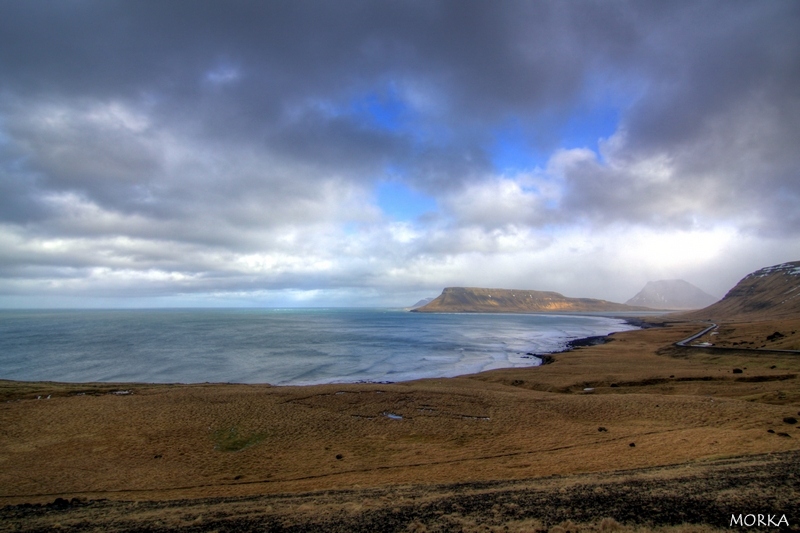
x,y
771,293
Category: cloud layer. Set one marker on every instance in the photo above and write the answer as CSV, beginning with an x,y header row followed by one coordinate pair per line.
x,y
298,153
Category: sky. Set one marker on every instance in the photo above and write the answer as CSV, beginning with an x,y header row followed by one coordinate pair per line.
x,y
349,153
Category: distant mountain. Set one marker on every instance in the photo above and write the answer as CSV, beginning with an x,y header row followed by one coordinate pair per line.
x,y
772,292
476,300
424,301
673,294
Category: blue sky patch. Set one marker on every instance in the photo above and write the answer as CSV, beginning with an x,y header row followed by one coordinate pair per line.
x,y
383,110
401,202
586,126
517,148
512,150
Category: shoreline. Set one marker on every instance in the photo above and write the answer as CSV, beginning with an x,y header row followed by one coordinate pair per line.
x,y
545,358
639,323
480,358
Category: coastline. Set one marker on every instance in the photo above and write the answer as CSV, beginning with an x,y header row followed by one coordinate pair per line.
x,y
306,347
122,387
597,340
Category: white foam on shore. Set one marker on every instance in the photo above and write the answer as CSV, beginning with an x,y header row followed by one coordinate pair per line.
x,y
485,351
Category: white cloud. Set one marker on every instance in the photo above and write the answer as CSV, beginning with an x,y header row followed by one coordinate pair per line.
x,y
501,201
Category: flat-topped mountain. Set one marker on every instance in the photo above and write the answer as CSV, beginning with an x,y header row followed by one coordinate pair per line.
x,y
672,294
772,292
477,300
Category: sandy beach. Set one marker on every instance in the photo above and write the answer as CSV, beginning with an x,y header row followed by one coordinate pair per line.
x,y
660,436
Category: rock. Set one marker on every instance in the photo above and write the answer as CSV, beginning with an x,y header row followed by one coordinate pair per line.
x,y
737,370
790,420
775,336
60,503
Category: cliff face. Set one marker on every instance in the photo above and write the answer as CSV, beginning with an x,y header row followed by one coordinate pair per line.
x,y
673,294
772,292
477,300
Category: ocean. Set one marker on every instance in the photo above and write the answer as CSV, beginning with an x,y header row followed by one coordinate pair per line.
x,y
276,346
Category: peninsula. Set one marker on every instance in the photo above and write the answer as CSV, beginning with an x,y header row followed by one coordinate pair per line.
x,y
478,300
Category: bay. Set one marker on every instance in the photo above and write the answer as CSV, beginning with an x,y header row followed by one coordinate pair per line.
x,y
276,346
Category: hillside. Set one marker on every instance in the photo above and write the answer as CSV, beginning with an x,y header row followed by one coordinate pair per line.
x,y
673,294
772,292
477,300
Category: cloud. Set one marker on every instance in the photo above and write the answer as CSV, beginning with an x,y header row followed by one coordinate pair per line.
x,y
235,151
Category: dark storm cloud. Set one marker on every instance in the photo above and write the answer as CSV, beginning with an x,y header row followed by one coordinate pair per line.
x,y
706,62
481,61
289,49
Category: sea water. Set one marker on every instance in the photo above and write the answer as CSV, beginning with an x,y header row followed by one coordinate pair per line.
x,y
276,346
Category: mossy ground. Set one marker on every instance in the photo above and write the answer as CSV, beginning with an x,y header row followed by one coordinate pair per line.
x,y
233,440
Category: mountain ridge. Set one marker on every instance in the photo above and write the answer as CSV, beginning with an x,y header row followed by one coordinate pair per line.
x,y
770,292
